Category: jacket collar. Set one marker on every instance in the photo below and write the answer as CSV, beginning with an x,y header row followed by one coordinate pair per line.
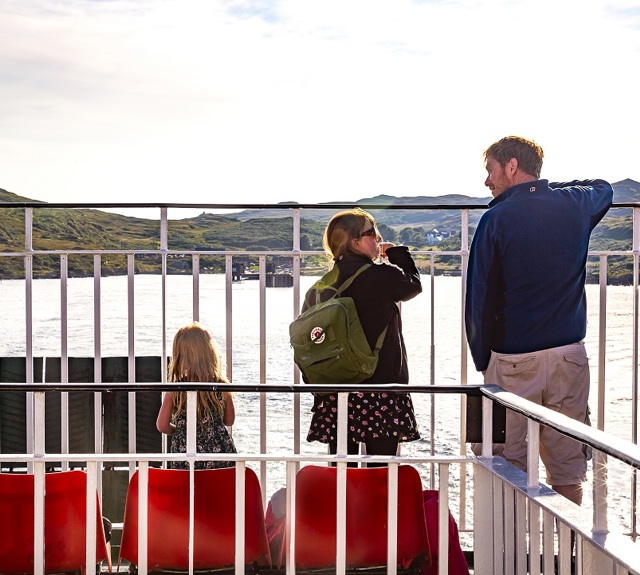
x,y
526,187
354,258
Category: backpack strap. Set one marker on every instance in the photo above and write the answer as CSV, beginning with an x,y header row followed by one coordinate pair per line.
x,y
349,280
326,281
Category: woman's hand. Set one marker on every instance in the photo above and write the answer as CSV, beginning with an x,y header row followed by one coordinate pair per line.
x,y
383,247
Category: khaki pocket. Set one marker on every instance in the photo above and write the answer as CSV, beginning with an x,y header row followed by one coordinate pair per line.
x,y
513,365
577,359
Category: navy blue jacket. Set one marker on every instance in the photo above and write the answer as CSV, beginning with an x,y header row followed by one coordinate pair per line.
x,y
527,267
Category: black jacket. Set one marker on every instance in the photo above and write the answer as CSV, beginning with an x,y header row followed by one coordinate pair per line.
x,y
375,293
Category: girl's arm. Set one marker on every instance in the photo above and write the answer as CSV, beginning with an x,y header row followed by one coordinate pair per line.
x,y
229,410
163,423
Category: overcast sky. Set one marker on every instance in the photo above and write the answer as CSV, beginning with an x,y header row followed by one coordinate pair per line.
x,y
309,100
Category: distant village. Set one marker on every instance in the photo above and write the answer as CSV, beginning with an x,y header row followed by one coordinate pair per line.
x,y
435,236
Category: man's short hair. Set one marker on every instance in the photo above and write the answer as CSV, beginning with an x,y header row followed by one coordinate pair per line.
x,y
527,152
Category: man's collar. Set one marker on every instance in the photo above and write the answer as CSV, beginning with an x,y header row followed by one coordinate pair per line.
x,y
525,187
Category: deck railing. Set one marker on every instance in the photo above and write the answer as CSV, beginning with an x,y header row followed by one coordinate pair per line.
x,y
513,514
33,420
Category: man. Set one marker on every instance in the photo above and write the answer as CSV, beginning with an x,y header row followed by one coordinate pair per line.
x,y
526,305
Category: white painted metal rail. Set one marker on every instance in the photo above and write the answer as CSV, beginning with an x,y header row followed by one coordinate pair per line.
x,y
36,458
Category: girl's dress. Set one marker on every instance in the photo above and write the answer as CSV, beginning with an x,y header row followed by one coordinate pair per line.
x,y
211,437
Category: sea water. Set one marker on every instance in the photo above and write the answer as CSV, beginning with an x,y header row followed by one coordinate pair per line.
x,y
444,347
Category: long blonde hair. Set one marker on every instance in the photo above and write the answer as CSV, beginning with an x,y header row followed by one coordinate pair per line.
x,y
195,358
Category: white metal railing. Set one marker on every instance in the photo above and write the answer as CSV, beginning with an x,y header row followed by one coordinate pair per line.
x,y
514,513
597,549
296,254
39,460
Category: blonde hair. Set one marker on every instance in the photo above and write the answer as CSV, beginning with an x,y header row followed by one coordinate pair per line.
x,y
342,228
195,358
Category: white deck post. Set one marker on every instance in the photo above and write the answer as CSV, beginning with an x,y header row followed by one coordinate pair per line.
x,y
482,509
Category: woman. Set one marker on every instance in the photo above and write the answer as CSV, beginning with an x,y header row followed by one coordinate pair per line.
x,y
379,420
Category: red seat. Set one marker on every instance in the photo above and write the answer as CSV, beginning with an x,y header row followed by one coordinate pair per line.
x,y
366,520
65,509
214,522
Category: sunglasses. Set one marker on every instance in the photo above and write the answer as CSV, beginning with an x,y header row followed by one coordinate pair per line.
x,y
370,232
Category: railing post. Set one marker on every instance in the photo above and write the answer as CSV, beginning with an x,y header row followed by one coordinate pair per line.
x,y
64,358
290,517
131,357
533,454
143,516
341,485
343,412
192,449
296,311
341,518
28,286
483,509
263,363
39,483
443,518
600,492
240,516
602,341
392,519
97,360
92,511
634,368
195,275
228,302
487,427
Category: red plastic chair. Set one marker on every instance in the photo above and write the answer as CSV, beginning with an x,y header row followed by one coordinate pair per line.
x,y
214,522
366,529
65,509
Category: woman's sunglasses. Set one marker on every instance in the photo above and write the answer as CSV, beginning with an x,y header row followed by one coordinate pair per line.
x,y
370,232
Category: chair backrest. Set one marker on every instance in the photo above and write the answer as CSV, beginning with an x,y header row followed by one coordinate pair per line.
x,y
214,521
366,521
65,509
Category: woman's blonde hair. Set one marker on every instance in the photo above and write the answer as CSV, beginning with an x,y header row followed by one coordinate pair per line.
x,y
342,228
195,358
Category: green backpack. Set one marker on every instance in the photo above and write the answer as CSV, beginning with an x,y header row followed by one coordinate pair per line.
x,y
329,344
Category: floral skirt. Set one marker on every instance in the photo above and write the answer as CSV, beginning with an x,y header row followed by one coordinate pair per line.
x,y
371,415
211,437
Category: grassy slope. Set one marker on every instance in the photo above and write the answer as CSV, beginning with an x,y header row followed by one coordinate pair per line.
x,y
86,229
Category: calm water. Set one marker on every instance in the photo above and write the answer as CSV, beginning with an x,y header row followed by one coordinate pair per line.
x,y
279,313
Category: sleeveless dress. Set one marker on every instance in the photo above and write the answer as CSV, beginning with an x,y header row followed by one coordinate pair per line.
x,y
211,437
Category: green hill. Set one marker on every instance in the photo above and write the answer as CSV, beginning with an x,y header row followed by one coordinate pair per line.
x,y
262,230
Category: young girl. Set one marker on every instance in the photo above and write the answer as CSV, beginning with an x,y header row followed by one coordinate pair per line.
x,y
196,359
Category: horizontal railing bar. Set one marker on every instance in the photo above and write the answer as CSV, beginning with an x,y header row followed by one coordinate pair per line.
x,y
610,444
241,253
246,457
245,254
473,390
236,207
280,206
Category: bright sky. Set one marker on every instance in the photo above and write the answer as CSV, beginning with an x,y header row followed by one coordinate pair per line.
x,y
309,100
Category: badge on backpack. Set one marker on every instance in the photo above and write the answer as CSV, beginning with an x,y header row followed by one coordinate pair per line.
x,y
317,335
